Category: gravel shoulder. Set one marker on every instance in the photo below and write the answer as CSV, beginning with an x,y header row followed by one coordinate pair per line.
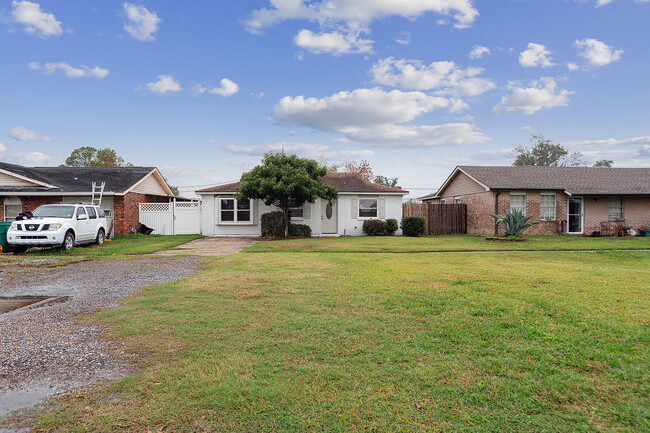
x,y
44,351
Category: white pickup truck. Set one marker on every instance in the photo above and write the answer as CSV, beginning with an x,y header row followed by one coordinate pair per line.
x,y
59,225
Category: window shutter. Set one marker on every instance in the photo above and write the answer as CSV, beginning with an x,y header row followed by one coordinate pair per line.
x,y
354,208
306,210
381,208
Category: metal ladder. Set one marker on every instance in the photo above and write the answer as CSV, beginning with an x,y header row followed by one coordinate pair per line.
x,y
97,190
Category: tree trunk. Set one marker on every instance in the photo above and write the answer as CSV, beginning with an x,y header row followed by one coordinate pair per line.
x,y
286,221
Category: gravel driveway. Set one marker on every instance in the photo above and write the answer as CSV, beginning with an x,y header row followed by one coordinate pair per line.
x,y
42,351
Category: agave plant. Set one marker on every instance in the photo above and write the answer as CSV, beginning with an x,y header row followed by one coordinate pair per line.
x,y
515,222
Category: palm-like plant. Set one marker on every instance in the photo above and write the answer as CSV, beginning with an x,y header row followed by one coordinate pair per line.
x,y
515,222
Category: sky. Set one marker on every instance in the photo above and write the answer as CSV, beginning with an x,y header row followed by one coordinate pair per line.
x,y
202,89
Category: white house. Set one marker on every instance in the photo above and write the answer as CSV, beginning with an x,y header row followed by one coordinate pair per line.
x,y
223,215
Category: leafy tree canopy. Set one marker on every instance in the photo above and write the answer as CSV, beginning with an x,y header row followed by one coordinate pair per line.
x,y
388,181
605,163
90,157
285,181
363,168
544,152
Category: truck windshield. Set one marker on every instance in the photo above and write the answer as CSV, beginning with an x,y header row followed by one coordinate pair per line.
x,y
54,212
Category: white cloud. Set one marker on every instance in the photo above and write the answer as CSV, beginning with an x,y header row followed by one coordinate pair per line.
x,y
2,147
572,66
141,23
358,11
287,147
478,52
596,52
376,117
536,55
227,88
404,38
445,77
164,85
24,134
69,71
600,3
335,42
36,22
542,94
634,141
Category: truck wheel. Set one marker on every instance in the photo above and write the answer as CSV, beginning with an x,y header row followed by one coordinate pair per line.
x,y
100,237
68,242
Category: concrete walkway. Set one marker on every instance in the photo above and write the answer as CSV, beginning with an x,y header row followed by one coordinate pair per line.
x,y
210,247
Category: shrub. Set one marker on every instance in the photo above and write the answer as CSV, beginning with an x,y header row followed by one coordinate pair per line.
x,y
413,225
391,226
374,228
515,222
299,230
273,225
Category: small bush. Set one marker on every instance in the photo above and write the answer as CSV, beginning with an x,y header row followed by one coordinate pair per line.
x,y
273,225
413,226
391,226
299,230
374,228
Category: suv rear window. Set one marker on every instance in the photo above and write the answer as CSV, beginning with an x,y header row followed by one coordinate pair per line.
x,y
91,213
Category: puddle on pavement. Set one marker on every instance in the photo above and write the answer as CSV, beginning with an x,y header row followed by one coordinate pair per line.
x,y
8,304
11,401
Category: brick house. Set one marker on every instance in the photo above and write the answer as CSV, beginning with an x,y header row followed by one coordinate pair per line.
x,y
24,189
567,200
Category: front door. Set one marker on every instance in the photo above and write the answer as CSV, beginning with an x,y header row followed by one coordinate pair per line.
x,y
328,217
576,215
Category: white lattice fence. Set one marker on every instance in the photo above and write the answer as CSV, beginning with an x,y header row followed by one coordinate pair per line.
x,y
176,218
158,216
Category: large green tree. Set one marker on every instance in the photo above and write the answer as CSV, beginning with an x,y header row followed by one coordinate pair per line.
x,y
544,152
285,181
90,157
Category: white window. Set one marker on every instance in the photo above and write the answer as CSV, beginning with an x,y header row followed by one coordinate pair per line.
x,y
615,208
368,208
518,202
442,201
456,200
297,212
13,207
235,211
547,206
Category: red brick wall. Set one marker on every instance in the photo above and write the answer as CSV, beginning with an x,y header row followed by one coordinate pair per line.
x,y
30,203
126,212
636,213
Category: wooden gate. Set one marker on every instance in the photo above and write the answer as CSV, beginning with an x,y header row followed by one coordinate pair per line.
x,y
440,219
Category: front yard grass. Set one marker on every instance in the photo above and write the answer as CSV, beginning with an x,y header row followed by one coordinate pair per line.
x,y
131,244
555,342
405,244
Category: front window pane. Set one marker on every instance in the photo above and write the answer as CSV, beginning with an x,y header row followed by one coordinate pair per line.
x,y
243,204
12,211
296,212
368,213
518,202
228,215
368,208
547,206
243,215
615,208
227,204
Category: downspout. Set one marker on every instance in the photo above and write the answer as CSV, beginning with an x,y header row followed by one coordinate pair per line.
x,y
496,212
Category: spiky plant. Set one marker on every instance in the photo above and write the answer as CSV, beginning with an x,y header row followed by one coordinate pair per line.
x,y
515,222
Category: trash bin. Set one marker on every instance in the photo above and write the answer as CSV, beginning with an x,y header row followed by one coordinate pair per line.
x,y
4,228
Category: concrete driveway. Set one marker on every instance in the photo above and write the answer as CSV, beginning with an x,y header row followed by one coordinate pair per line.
x,y
209,247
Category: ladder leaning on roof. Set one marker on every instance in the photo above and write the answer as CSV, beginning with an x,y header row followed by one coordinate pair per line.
x,y
98,190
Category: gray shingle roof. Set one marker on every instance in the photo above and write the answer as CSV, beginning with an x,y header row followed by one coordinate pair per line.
x,y
575,180
345,182
77,179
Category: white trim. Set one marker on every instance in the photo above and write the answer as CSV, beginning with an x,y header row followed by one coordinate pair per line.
x,y
582,216
519,193
27,179
159,177
359,209
251,211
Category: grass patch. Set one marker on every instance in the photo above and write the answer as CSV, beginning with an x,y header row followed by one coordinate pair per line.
x,y
382,342
131,244
404,244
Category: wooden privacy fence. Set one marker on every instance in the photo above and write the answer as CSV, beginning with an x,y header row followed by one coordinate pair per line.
x,y
440,219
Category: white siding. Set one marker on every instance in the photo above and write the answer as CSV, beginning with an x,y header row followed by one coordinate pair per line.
x,y
6,180
150,185
346,224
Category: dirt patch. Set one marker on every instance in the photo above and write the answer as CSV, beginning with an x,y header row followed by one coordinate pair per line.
x,y
210,247
498,239
22,302
246,294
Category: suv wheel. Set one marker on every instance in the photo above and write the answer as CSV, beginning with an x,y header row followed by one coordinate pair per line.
x,y
100,237
68,241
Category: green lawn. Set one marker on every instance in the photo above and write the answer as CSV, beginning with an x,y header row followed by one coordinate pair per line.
x,y
555,342
401,244
119,246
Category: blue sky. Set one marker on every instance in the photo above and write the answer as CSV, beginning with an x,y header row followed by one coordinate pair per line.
x,y
202,89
